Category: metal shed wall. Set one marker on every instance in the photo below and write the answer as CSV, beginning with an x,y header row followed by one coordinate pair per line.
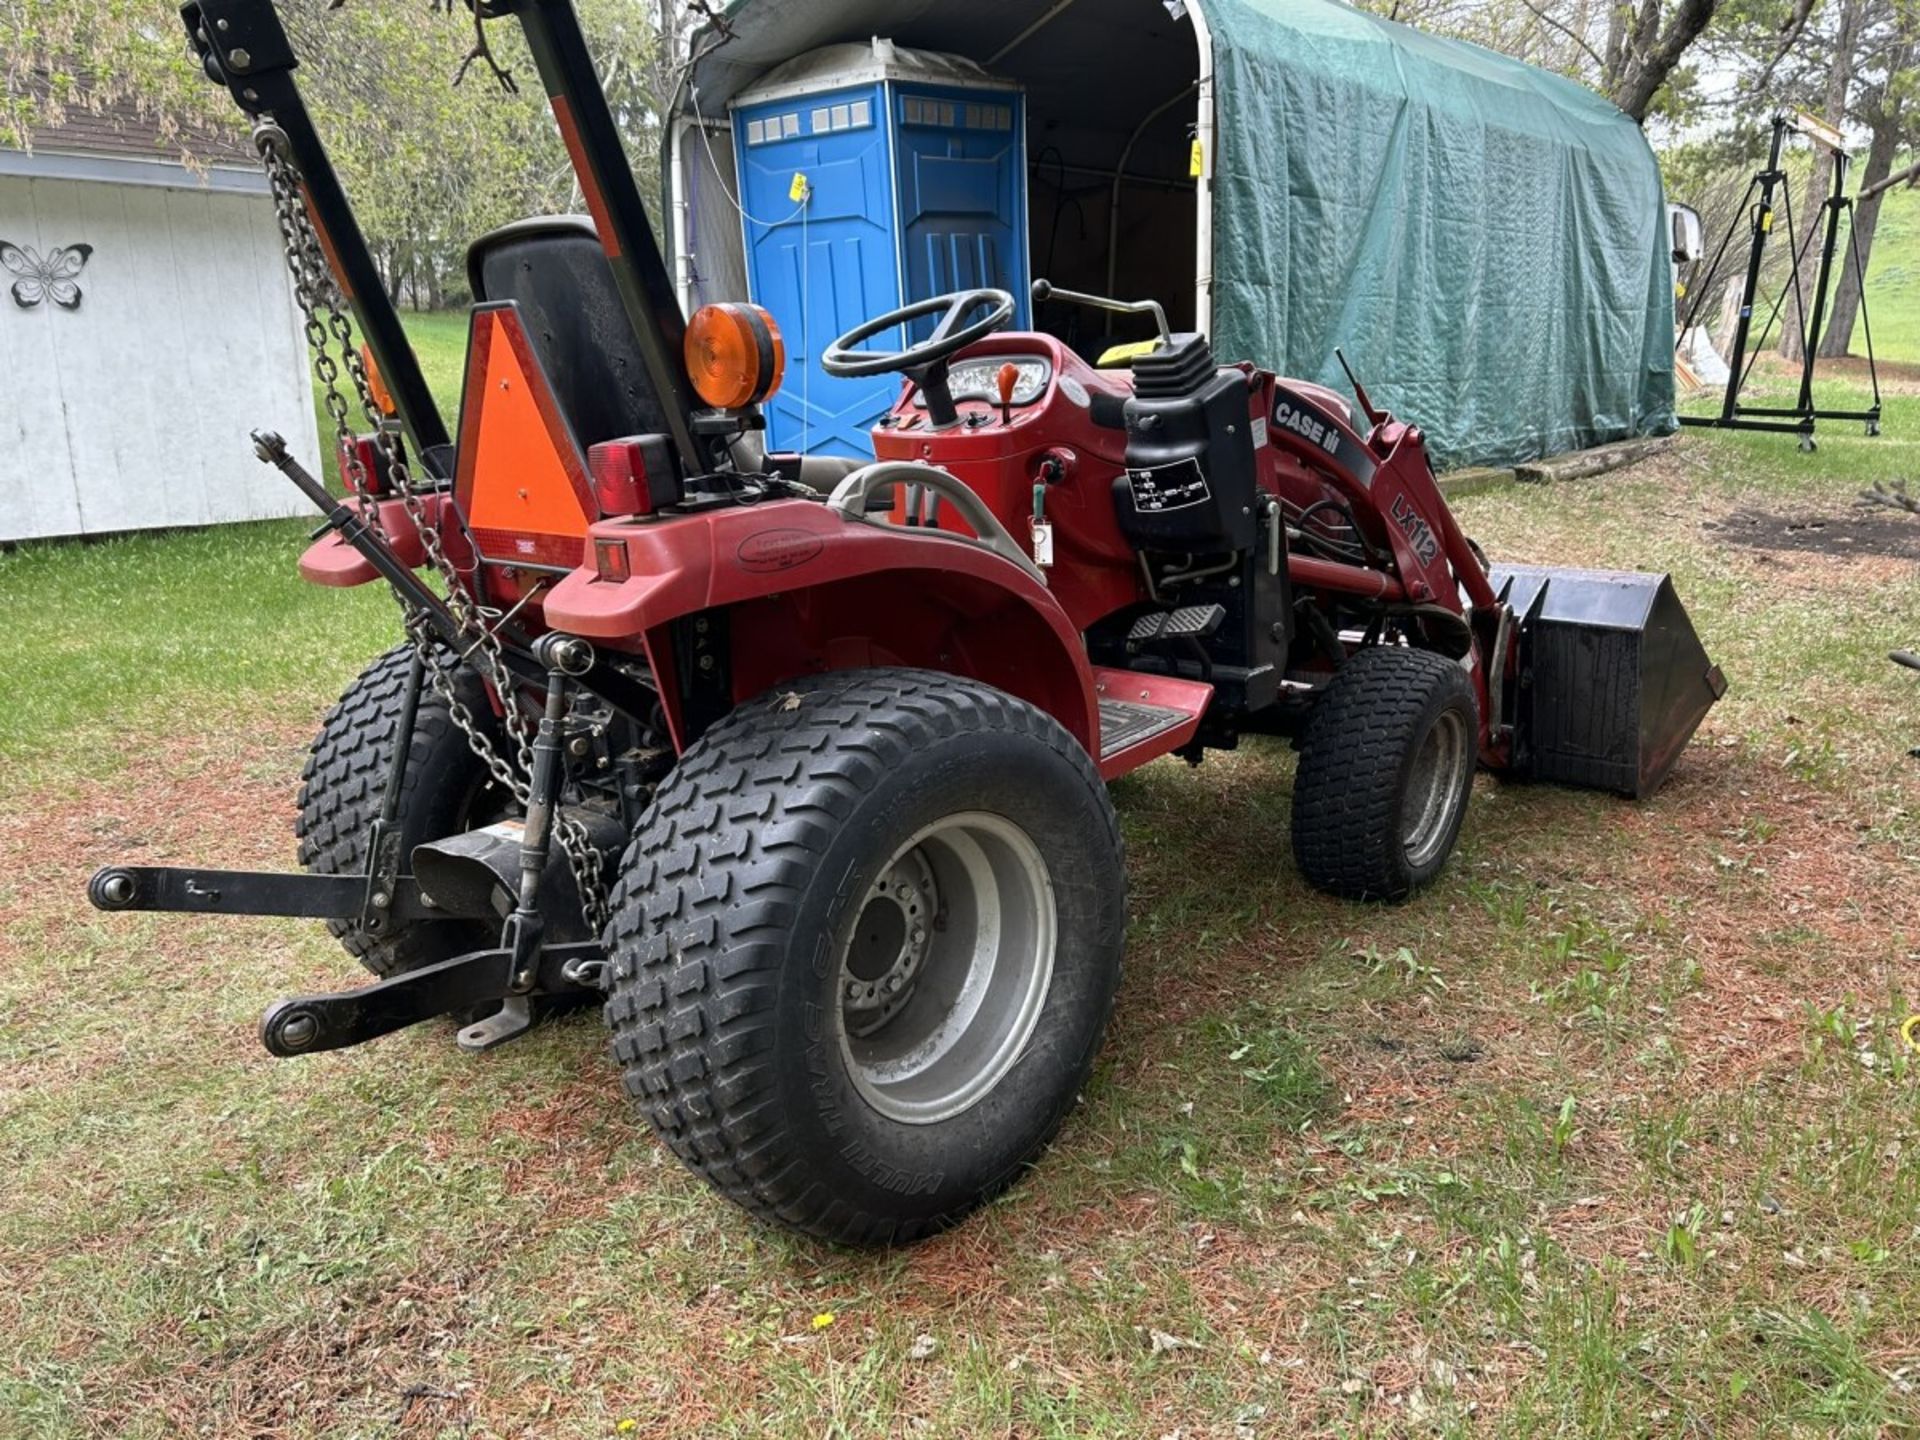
x,y
132,412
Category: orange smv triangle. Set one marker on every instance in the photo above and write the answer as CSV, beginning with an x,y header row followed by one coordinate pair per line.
x,y
521,483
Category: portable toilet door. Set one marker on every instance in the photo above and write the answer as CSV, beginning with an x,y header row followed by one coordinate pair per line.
x,y
821,255
963,195
872,177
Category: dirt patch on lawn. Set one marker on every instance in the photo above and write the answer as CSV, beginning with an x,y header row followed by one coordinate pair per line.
x,y
1827,530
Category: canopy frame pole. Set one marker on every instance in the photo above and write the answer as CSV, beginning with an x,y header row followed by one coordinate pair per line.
x,y
1204,133
1026,34
1119,179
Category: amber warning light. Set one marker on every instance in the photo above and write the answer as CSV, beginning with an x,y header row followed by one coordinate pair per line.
x,y
735,356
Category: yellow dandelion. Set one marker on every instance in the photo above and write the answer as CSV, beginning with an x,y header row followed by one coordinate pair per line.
x,y
823,1320
627,1427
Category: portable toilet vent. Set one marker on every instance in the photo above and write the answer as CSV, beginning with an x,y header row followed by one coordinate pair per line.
x,y
871,177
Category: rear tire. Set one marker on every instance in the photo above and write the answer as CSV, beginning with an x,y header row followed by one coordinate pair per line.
x,y
446,790
1386,768
864,945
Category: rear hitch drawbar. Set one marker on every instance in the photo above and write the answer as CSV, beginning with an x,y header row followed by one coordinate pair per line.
x,y
510,874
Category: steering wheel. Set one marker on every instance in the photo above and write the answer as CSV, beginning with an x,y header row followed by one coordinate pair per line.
x,y
925,364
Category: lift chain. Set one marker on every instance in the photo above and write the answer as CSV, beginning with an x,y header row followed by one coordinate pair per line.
x,y
327,323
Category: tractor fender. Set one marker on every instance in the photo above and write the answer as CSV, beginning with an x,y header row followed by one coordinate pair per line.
x,y
332,562
806,591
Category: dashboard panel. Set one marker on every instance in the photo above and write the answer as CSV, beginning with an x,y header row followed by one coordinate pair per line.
x,y
979,379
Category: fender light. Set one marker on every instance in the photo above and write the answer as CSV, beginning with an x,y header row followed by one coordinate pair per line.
x,y
610,561
635,475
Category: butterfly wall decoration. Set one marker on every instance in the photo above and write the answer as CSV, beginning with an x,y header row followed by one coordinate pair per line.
x,y
50,278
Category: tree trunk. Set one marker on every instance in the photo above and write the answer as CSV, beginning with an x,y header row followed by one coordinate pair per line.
x,y
1812,216
1838,340
1641,53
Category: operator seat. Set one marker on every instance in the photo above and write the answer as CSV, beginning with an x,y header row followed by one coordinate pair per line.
x,y
553,268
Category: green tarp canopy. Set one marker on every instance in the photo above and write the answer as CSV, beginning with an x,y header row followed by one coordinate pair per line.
x,y
1487,242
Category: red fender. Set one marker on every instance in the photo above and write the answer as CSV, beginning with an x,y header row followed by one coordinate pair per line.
x,y
332,562
808,591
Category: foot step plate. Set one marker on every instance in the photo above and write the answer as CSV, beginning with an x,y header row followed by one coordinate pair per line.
x,y
1189,622
1124,725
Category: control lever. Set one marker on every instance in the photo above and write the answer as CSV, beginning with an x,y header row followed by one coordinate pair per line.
x,y
1006,382
1374,417
1043,292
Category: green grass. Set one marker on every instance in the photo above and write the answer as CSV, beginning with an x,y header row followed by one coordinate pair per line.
x,y
1893,278
440,340
1611,1133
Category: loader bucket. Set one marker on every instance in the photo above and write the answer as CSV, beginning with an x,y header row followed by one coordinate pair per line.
x,y
1613,679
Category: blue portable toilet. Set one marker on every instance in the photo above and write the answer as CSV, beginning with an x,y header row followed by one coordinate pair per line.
x,y
872,176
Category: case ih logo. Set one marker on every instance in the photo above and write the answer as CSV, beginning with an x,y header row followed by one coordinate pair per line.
x,y
767,551
1309,426
1299,416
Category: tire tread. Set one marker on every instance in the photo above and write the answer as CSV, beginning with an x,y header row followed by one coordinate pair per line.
x,y
1347,789
712,879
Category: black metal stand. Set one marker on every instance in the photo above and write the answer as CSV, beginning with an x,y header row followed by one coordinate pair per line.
x,y
1800,417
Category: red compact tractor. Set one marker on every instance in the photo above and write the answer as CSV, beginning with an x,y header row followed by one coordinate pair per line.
x,y
800,765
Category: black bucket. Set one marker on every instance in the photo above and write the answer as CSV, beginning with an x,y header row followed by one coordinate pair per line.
x,y
1613,679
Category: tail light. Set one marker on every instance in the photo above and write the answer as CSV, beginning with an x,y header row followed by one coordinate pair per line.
x,y
634,476
610,560
363,466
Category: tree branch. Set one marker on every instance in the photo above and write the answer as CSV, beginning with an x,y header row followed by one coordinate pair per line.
x,y
1634,91
1569,32
483,50
1910,175
1789,37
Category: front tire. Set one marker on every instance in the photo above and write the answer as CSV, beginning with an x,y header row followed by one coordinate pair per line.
x,y
864,946
1386,767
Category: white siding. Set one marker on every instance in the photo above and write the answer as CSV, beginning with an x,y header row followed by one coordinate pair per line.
x,y
133,411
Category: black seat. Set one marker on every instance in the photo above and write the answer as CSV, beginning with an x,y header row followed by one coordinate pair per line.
x,y
552,267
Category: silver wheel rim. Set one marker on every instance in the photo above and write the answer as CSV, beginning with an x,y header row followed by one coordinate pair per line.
x,y
946,970
1439,766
